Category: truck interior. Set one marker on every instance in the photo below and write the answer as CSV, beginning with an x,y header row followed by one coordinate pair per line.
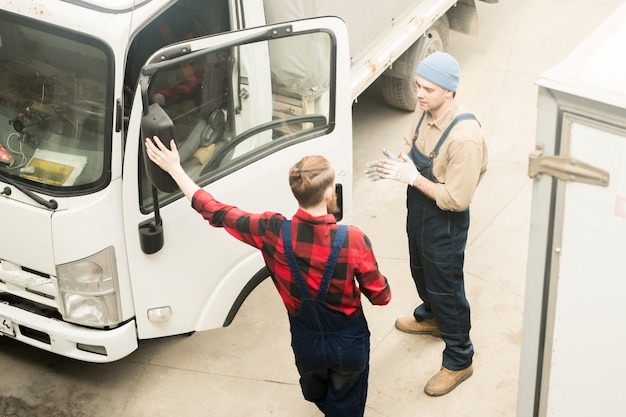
x,y
54,107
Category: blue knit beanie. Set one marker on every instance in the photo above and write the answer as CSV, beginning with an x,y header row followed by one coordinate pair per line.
x,y
440,68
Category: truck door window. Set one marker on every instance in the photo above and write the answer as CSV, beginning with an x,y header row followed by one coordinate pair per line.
x,y
184,20
232,107
55,107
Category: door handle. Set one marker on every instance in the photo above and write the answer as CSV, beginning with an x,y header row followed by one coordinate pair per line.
x,y
565,168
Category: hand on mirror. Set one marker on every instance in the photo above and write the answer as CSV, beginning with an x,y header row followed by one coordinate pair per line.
x,y
169,160
166,159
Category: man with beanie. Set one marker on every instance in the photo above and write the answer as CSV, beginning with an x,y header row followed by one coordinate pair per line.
x,y
446,161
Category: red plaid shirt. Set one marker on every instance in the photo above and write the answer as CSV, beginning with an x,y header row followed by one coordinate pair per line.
x,y
312,242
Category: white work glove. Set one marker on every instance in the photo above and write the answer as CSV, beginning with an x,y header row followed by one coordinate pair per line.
x,y
402,169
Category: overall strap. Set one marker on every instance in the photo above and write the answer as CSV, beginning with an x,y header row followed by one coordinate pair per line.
x,y
418,128
293,263
328,269
342,230
444,136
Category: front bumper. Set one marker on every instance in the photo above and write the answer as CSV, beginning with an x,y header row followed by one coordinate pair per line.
x,y
53,335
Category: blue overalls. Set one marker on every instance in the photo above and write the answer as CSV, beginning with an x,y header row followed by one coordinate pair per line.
x,y
437,240
331,349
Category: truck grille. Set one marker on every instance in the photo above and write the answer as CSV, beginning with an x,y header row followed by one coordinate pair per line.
x,y
29,305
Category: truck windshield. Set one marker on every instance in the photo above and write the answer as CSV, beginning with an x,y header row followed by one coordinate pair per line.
x,y
55,112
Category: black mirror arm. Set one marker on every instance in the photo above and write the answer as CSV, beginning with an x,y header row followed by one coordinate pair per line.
x,y
151,231
143,85
155,202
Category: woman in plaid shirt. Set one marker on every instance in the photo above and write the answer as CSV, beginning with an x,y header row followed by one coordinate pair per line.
x,y
320,270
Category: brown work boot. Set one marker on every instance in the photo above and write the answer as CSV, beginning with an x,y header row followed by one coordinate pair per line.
x,y
446,380
408,324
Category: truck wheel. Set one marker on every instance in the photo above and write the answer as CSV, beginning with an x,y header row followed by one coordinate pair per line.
x,y
398,85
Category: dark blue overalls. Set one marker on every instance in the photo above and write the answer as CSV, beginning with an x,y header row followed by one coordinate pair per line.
x,y
331,349
437,240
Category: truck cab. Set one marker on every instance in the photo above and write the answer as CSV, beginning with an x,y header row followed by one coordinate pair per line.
x,y
99,251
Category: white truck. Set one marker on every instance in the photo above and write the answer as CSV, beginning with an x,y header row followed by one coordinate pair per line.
x,y
574,330
99,249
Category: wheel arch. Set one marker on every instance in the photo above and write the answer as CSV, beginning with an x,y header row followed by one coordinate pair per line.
x,y
254,282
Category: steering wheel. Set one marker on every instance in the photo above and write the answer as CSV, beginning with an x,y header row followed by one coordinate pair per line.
x,y
318,120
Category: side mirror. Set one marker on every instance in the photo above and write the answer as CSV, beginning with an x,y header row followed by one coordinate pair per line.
x,y
156,122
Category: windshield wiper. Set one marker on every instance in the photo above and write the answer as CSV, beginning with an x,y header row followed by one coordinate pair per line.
x,y
51,204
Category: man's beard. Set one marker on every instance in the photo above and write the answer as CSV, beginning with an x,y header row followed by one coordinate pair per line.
x,y
331,206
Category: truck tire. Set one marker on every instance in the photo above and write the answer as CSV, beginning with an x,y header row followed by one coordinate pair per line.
x,y
399,88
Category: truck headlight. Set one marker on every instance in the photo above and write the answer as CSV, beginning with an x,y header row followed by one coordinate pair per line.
x,y
89,290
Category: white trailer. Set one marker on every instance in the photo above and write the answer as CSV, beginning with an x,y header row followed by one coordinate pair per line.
x,y
574,332
387,39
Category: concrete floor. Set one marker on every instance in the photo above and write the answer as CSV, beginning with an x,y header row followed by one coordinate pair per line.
x,y
247,369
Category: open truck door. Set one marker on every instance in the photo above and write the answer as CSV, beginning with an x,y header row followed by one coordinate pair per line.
x,y
243,107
